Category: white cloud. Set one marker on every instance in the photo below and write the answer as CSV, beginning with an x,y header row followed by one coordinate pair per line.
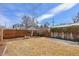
x,y
4,20
56,10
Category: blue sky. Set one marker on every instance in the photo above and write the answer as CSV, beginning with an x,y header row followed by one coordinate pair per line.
x,y
44,12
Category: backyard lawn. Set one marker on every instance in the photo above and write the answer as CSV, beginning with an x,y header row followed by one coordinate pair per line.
x,y
39,46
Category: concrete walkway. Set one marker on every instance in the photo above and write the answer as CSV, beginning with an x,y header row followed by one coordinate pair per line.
x,y
66,42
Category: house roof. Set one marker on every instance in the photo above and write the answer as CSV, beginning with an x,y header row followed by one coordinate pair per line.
x,y
31,28
66,25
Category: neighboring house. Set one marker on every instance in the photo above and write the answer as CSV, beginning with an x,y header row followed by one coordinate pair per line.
x,y
2,26
67,31
66,25
18,26
32,30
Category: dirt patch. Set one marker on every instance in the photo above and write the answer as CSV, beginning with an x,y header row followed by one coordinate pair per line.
x,y
40,46
2,46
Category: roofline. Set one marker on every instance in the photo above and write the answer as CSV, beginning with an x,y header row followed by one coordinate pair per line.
x,y
66,25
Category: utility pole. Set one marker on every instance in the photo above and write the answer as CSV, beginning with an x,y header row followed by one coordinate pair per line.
x,y
53,22
52,33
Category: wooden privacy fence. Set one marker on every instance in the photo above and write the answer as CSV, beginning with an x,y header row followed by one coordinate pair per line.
x,y
15,33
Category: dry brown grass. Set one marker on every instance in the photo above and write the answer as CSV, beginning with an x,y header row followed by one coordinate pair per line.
x,y
40,46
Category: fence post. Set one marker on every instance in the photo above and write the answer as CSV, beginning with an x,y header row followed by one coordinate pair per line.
x,y
1,34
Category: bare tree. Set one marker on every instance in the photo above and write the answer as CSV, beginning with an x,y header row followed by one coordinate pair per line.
x,y
28,21
76,18
46,24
